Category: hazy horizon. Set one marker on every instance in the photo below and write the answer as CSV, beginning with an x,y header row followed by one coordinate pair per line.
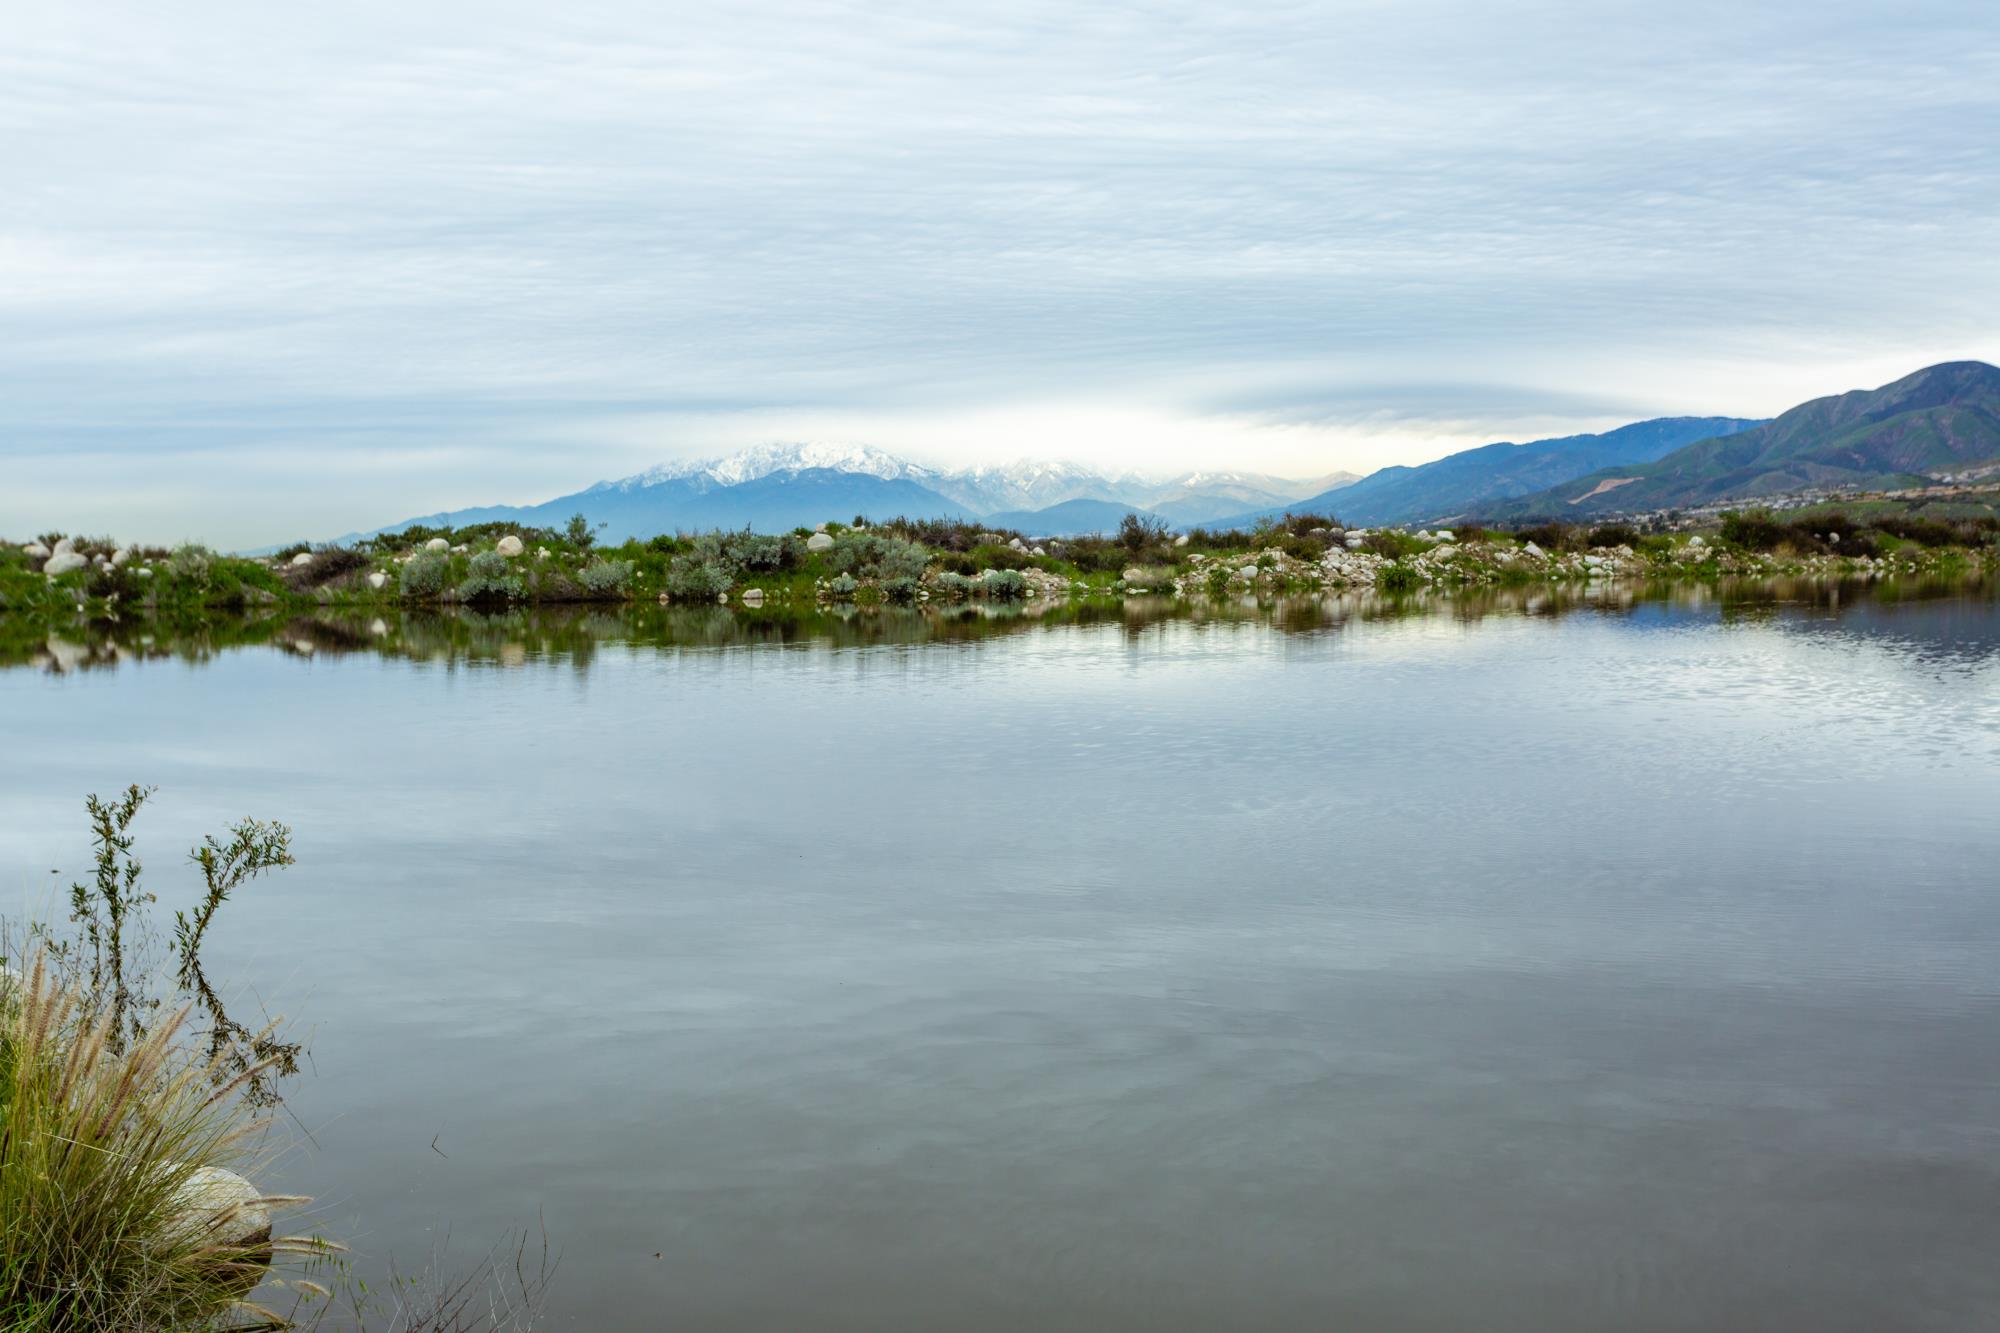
x,y
274,275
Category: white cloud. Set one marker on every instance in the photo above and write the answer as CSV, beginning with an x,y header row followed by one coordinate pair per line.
x,y
249,246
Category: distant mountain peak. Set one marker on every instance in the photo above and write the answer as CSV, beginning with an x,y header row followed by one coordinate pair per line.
x,y
765,460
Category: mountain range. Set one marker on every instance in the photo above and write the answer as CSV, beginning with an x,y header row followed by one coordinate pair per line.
x,y
1940,419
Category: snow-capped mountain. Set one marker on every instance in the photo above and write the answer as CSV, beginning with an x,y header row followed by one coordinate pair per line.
x,y
765,459
776,486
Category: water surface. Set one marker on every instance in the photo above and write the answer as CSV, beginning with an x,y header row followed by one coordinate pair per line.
x,y
1604,960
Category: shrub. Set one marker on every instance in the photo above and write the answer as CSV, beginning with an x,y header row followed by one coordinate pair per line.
x,y
327,564
1549,536
843,586
1753,530
1138,531
489,579
1470,532
1392,545
423,577
579,533
1399,577
873,555
900,590
606,578
191,562
1005,585
696,578
997,557
1220,539
956,586
1611,534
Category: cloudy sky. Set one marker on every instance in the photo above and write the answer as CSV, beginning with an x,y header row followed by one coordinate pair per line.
x,y
275,270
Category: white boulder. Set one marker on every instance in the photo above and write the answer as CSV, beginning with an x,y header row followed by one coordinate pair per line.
x,y
35,551
378,580
509,546
144,571
437,544
819,541
64,546
1535,551
1133,574
120,556
62,562
1181,540
301,559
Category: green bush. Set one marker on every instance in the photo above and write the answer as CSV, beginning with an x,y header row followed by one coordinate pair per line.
x,y
1550,536
1606,535
489,579
1399,577
695,577
901,591
423,577
191,563
1753,530
843,586
606,578
1005,585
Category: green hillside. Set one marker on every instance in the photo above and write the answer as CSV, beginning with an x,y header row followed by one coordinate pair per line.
x,y
1940,420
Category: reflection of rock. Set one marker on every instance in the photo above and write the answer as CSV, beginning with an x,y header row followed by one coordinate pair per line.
x,y
378,627
509,546
513,654
66,654
753,597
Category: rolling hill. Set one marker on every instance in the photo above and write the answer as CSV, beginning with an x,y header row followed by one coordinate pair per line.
x,y
1941,419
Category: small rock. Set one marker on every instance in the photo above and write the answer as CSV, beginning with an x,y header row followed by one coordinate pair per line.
x,y
1133,574
35,551
377,579
1181,540
302,559
1535,551
509,546
753,597
120,556
437,544
144,571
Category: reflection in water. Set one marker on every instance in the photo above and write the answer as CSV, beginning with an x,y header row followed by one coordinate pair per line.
x,y
1583,958
1945,615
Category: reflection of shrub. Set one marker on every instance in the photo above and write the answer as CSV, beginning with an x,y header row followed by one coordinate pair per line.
x,y
488,579
696,578
1005,585
423,577
605,578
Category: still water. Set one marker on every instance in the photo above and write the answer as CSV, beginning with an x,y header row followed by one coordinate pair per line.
x,y
1628,962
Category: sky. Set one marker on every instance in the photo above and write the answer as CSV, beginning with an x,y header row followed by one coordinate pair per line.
x,y
270,272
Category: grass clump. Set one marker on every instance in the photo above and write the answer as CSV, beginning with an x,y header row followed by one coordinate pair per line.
x,y
103,1146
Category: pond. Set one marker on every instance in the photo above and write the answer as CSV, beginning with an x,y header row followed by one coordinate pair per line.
x,y
1605,959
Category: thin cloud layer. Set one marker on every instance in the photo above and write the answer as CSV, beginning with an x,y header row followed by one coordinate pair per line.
x,y
324,268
